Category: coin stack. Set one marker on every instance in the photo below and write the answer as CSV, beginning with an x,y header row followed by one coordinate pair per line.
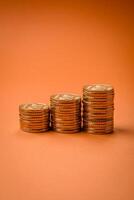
x,y
66,113
98,108
34,117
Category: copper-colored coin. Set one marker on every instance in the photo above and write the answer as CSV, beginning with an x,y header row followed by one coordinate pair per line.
x,y
66,123
62,129
96,116
91,107
90,121
66,131
34,124
97,94
98,132
97,111
65,105
100,94
37,119
67,120
33,130
99,104
34,114
99,88
29,116
70,111
105,129
37,107
66,114
65,98
93,99
73,124
98,127
97,119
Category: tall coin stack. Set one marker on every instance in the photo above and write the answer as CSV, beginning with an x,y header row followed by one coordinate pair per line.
x,y
98,108
66,113
34,117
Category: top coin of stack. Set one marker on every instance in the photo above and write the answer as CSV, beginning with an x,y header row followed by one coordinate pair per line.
x,y
34,117
98,108
66,113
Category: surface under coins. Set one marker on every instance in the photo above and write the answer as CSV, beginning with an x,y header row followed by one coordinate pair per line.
x,y
34,117
98,108
65,113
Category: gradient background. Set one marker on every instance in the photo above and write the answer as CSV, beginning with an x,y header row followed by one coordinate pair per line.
x,y
52,46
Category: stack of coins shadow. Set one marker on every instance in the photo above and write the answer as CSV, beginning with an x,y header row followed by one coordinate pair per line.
x,y
98,108
34,117
65,113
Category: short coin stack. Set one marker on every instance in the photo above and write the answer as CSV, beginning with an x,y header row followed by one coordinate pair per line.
x,y
98,108
66,113
34,117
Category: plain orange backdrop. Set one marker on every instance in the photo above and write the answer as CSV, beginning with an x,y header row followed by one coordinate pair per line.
x,y
58,46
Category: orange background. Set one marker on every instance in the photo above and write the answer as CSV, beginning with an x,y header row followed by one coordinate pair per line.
x,y
52,46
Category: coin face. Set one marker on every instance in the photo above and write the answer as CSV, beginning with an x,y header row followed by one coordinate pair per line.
x,y
33,107
65,97
98,87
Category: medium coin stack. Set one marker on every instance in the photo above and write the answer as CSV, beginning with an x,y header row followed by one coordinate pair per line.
x,y
66,113
98,108
34,117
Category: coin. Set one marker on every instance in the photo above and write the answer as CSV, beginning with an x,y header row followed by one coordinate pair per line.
x,y
65,113
66,131
30,130
33,107
102,88
98,108
63,98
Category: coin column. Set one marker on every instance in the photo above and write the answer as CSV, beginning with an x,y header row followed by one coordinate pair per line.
x,y
34,117
66,113
98,108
